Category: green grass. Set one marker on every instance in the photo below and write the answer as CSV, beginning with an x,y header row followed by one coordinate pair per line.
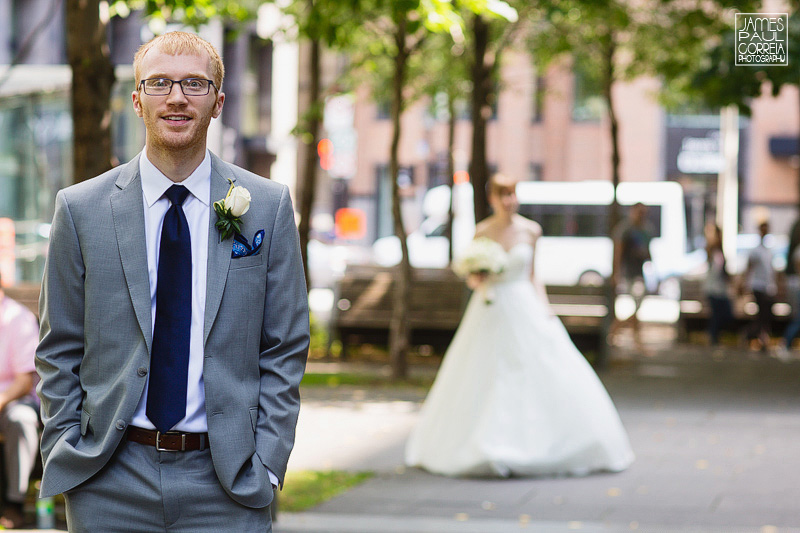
x,y
305,489
334,380
361,380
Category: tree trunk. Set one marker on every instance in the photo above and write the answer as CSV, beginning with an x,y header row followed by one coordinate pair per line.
x,y
92,81
399,331
613,124
481,88
308,182
451,169
614,209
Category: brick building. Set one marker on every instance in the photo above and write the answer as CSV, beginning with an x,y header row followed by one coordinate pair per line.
x,y
551,128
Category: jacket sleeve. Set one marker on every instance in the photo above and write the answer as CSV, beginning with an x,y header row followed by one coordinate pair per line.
x,y
284,342
61,344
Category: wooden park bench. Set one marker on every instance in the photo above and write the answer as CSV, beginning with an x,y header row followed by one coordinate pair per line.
x,y
364,296
583,310
25,293
695,311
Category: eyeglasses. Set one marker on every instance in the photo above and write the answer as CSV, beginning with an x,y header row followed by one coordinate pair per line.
x,y
189,86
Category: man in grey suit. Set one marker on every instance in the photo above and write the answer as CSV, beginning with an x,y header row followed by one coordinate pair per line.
x,y
174,323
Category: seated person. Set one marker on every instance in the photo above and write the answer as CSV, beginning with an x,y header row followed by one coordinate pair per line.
x,y
19,421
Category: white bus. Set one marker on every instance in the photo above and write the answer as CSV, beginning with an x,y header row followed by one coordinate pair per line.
x,y
575,247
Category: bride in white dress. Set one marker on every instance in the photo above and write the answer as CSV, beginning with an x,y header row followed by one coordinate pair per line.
x,y
513,396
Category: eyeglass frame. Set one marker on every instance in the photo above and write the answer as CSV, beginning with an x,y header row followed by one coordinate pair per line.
x,y
179,82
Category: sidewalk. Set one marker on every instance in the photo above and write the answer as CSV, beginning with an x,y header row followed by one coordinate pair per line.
x,y
716,439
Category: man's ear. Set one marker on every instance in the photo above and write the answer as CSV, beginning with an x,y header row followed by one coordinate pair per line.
x,y
218,105
137,103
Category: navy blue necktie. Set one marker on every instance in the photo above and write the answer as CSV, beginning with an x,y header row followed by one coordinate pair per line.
x,y
169,361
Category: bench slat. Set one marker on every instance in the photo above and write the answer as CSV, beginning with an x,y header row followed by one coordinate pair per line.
x,y
364,296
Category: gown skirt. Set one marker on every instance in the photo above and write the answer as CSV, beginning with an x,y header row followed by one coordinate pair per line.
x,y
514,396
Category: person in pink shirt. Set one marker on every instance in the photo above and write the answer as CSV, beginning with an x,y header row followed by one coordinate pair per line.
x,y
19,421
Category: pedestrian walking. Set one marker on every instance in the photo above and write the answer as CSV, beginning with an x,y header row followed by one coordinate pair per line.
x,y
759,279
716,284
174,323
792,272
631,251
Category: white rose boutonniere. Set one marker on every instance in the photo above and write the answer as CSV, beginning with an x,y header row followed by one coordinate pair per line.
x,y
230,210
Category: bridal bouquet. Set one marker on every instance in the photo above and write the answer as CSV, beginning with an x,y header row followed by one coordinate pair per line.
x,y
482,256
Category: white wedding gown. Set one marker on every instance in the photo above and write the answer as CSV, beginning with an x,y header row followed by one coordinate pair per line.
x,y
513,396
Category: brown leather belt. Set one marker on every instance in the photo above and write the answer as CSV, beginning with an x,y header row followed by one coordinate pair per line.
x,y
168,442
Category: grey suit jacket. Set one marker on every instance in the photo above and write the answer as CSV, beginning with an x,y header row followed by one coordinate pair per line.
x,y
94,352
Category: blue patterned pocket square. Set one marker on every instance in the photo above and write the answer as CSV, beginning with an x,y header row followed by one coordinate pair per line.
x,y
242,248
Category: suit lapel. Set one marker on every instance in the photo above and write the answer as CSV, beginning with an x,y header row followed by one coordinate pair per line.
x,y
127,209
219,252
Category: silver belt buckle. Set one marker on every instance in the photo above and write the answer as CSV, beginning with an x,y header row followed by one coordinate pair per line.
x,y
160,449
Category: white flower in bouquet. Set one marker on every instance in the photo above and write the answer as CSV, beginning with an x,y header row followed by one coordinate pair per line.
x,y
482,256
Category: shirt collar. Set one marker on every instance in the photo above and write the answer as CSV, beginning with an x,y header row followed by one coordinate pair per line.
x,y
155,183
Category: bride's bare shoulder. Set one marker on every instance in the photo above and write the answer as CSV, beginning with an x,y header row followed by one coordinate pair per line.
x,y
530,226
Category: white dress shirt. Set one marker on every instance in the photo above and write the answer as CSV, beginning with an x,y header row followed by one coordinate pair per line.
x,y
196,207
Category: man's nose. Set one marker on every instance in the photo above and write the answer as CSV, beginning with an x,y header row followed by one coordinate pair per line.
x,y
176,94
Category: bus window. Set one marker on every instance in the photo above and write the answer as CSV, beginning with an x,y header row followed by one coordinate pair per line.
x,y
591,220
653,218
568,220
571,220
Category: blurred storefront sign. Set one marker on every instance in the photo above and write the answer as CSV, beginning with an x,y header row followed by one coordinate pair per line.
x,y
694,147
694,158
700,155
350,223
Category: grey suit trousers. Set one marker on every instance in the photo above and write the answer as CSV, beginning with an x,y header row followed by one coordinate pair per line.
x,y
19,424
162,492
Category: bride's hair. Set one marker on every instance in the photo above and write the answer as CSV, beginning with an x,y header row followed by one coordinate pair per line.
x,y
500,182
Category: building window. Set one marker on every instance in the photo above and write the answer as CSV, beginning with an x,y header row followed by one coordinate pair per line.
x,y
384,224
437,171
463,106
261,68
538,98
494,99
437,108
384,109
36,159
535,172
587,102
33,43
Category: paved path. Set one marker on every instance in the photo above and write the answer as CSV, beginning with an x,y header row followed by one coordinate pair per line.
x,y
717,442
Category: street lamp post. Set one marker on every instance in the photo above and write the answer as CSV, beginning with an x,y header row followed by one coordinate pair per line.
x,y
728,182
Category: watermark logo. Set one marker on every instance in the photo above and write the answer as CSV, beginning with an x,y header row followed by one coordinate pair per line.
x,y
762,39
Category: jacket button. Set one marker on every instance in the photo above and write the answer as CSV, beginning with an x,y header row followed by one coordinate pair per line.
x,y
120,425
142,371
